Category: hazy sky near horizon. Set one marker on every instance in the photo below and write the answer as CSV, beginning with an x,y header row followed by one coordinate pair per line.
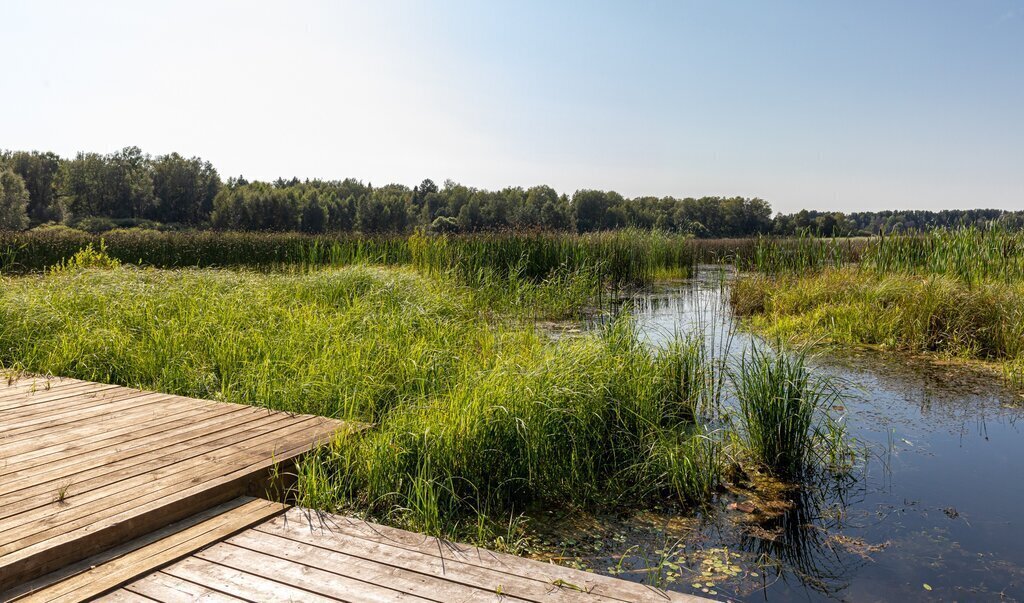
x,y
825,105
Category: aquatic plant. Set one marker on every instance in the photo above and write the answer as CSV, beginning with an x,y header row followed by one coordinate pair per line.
x,y
800,254
783,411
620,258
971,254
935,313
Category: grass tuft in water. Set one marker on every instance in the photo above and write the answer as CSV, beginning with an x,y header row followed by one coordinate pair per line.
x,y
783,413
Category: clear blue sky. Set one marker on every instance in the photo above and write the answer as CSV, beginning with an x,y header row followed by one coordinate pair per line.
x,y
827,105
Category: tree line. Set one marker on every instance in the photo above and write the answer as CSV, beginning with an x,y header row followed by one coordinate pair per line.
x,y
129,188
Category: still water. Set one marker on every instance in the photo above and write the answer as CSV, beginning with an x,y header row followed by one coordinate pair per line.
x,y
932,513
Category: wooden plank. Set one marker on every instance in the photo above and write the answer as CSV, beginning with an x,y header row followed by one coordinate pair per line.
x,y
115,426
329,527
232,449
99,436
170,589
118,463
154,510
157,468
403,574
125,597
68,421
63,435
74,569
25,387
35,393
33,383
239,583
310,579
44,398
364,559
66,403
123,564
56,414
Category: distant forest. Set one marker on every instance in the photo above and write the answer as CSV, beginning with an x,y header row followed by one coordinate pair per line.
x,y
129,188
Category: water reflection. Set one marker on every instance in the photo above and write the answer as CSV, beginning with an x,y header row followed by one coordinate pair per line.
x,y
932,514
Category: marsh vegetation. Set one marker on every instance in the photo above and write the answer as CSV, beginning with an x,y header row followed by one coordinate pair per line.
x,y
476,415
483,423
955,293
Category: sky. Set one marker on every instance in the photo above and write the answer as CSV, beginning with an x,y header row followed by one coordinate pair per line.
x,y
840,106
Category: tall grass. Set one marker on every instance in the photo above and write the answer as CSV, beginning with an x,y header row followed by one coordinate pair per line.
x,y
934,313
958,292
803,253
970,254
36,250
591,421
471,419
629,257
622,257
783,412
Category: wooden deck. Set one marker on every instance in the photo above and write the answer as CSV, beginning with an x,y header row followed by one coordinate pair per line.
x,y
306,556
85,467
123,495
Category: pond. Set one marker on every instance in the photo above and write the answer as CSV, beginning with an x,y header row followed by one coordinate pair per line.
x,y
931,512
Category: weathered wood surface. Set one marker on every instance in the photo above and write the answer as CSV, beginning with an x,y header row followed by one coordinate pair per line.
x,y
110,569
307,556
85,466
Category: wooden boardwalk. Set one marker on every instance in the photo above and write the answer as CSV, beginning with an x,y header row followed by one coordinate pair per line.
x,y
123,495
307,556
86,466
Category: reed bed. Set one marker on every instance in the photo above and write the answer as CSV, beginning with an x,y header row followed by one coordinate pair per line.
x,y
918,314
37,250
621,257
956,292
473,420
800,254
630,257
971,254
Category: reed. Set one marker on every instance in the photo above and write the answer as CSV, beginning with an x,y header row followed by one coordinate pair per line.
x,y
783,412
971,254
800,254
627,257
939,314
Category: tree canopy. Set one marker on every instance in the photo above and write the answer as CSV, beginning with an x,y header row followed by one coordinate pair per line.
x,y
131,188
13,201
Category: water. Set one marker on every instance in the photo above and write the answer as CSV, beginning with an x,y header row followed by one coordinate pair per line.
x,y
933,513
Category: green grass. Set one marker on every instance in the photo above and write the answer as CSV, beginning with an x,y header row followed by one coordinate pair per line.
x,y
629,257
475,416
918,314
783,413
800,254
954,292
472,418
970,254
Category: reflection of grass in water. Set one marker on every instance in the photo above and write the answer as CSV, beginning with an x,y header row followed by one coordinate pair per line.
x,y
800,540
